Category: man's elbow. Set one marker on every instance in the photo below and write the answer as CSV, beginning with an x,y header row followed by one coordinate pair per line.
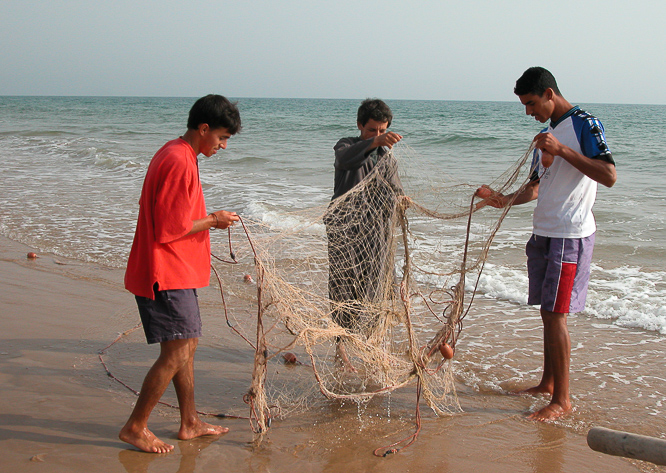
x,y
610,178
611,182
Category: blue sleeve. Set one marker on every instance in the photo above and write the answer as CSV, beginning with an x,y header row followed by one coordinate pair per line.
x,y
536,161
593,141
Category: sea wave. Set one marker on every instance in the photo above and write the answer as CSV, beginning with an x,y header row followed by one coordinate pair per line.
x,y
454,139
247,160
81,162
279,220
629,296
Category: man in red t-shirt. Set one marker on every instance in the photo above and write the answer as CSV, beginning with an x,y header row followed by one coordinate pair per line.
x,y
170,260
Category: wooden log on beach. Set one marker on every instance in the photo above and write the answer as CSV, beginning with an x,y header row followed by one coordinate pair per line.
x,y
624,444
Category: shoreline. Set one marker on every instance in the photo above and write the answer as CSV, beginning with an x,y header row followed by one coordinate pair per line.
x,y
62,412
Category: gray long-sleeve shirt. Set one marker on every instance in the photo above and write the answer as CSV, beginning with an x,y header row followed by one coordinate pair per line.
x,y
354,161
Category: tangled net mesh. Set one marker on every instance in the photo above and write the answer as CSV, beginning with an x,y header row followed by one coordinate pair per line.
x,y
387,272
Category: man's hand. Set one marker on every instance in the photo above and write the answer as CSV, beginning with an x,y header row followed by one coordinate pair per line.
x,y
225,219
596,169
549,146
484,192
387,139
404,202
490,197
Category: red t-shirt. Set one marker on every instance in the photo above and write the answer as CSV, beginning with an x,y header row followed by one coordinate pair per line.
x,y
171,199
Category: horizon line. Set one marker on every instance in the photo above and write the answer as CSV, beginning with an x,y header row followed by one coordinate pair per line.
x,y
304,98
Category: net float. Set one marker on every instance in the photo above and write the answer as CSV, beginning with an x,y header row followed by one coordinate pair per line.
x,y
289,358
446,351
247,278
32,255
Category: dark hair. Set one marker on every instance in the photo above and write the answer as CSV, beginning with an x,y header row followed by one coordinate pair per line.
x,y
535,81
374,109
217,112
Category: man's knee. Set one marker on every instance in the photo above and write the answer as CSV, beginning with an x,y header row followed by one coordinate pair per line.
x,y
553,318
177,353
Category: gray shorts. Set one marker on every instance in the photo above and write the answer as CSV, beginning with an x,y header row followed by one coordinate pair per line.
x,y
173,315
559,271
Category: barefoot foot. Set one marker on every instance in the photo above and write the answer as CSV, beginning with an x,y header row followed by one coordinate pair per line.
x,y
534,391
201,429
144,440
550,412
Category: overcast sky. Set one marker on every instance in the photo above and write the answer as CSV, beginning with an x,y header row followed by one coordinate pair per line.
x,y
608,51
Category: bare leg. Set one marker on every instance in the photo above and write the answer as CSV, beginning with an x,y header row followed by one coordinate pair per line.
x,y
557,354
341,357
547,381
173,355
191,426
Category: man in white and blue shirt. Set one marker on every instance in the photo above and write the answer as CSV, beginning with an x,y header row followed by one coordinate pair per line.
x,y
571,157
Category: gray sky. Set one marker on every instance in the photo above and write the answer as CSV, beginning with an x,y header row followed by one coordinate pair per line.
x,y
607,51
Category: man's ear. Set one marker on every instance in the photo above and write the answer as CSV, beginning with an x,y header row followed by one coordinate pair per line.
x,y
549,93
203,128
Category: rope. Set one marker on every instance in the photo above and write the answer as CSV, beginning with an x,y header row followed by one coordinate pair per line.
x,y
391,449
129,388
103,351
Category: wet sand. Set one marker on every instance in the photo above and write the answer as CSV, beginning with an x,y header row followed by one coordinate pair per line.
x,y
61,412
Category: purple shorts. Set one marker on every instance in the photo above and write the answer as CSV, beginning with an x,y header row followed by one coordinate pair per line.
x,y
559,270
173,315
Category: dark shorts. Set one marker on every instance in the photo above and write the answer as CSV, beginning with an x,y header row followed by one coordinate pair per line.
x,y
173,315
559,271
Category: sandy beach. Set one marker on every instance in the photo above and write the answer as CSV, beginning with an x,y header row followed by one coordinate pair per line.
x,y
61,412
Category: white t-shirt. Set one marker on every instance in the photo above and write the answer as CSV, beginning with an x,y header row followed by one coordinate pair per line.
x,y
566,195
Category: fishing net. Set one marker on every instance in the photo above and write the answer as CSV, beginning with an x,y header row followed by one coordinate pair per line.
x,y
363,296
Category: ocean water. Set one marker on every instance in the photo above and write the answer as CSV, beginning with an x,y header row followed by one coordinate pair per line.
x,y
73,167
72,170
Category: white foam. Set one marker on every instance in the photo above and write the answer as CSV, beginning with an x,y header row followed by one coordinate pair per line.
x,y
502,283
629,296
279,220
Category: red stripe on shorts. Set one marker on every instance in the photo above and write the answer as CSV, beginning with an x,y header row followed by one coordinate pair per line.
x,y
564,288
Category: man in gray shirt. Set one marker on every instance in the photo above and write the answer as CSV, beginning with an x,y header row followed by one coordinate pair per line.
x,y
360,219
